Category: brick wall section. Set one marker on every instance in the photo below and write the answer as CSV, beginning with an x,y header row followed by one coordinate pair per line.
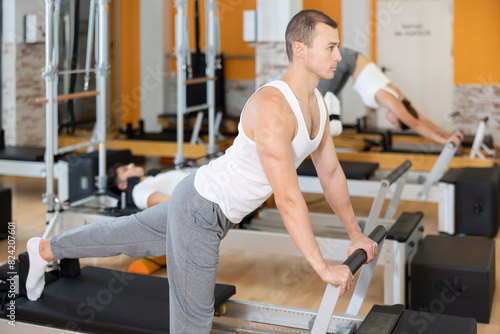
x,y
237,94
9,93
475,102
271,62
30,116
23,119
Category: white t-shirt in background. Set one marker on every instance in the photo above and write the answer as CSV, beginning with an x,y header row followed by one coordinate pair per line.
x,y
163,182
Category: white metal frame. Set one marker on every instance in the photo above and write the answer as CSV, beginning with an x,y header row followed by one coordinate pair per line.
x,y
431,190
51,73
478,142
183,55
39,169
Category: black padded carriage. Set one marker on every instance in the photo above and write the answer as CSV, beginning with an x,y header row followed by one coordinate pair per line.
x,y
22,153
106,301
353,170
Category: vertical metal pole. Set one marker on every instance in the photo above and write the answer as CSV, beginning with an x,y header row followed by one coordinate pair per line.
x,y
438,169
90,43
102,73
55,46
50,76
181,8
210,10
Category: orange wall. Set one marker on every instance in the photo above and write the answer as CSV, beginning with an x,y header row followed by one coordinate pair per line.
x,y
329,7
130,77
231,26
231,33
476,42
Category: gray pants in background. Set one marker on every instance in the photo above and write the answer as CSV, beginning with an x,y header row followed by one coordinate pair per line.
x,y
192,228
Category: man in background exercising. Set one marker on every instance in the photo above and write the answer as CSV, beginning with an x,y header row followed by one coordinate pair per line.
x,y
376,91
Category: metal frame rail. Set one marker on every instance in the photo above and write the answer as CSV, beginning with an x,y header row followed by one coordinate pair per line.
x,y
51,73
183,55
421,186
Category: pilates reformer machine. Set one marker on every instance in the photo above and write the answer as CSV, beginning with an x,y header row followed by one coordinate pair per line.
x,y
420,186
52,167
196,78
48,163
101,300
267,234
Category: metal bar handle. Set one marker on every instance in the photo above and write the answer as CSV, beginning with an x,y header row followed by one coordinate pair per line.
x,y
332,293
398,172
358,257
438,169
199,80
71,96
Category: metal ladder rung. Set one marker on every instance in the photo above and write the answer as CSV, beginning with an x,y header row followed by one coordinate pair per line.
x,y
198,80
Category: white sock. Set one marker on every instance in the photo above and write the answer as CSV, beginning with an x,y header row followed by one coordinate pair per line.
x,y
36,274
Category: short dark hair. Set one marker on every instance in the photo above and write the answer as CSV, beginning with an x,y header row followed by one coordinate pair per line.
x,y
112,182
302,26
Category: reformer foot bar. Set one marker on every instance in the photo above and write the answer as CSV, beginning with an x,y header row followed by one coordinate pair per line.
x,y
266,234
421,186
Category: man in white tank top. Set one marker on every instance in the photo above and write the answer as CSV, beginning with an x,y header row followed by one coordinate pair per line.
x,y
281,125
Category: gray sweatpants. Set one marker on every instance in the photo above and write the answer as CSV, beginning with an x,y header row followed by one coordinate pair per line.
x,y
192,228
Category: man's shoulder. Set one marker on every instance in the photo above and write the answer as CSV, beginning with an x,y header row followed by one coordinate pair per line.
x,y
268,97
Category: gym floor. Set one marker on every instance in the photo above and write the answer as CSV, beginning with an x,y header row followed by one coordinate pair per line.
x,y
282,280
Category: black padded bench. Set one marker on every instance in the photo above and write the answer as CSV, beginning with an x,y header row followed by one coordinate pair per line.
x,y
395,319
22,153
106,301
352,169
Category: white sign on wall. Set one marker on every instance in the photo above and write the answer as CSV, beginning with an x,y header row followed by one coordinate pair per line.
x,y
414,45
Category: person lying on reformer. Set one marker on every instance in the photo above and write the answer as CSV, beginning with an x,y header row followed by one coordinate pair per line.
x,y
151,190
281,124
376,90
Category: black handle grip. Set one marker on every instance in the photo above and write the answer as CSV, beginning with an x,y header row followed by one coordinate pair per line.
x,y
358,257
398,171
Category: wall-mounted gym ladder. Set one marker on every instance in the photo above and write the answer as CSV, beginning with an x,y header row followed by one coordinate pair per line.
x,y
100,8
184,78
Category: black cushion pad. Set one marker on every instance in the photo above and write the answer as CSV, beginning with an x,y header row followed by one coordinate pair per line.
x,y
107,301
22,153
353,170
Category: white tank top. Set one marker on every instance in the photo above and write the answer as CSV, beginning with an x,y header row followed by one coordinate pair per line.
x,y
236,181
